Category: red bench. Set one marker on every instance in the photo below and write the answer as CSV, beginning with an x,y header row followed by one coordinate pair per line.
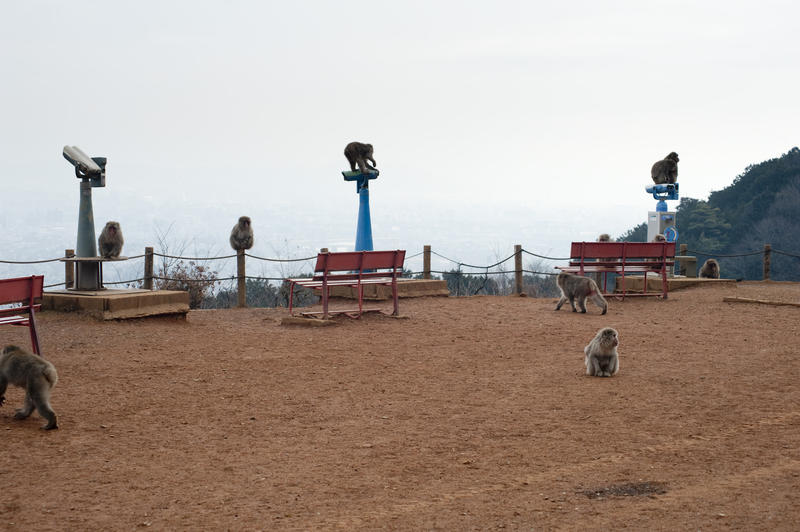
x,y
354,269
622,258
25,290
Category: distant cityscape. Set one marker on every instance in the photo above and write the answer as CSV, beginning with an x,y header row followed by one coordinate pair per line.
x,y
470,236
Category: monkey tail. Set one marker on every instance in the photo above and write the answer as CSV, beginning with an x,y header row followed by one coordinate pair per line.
x,y
599,300
50,374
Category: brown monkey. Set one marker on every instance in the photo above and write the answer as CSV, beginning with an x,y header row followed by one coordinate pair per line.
x,y
110,241
358,153
605,237
242,234
659,238
36,375
665,170
709,269
576,286
601,358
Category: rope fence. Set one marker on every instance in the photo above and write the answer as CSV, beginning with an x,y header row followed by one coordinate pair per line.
x,y
147,280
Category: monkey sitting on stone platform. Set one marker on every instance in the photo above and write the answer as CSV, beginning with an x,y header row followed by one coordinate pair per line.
x,y
709,269
36,375
109,243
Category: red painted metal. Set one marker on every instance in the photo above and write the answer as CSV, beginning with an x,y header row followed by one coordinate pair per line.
x,y
354,269
622,258
24,290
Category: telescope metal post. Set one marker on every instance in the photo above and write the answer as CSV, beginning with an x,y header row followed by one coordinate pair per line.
x,y
87,273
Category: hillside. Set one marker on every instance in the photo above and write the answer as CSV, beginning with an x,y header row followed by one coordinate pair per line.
x,y
760,207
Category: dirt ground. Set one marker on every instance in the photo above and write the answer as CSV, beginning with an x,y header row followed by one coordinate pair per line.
x,y
468,414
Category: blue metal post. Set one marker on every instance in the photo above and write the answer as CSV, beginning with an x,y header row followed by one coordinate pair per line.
x,y
364,228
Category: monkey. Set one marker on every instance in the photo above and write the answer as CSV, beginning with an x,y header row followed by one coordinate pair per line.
x,y
576,286
110,241
358,153
601,358
659,238
242,234
605,237
709,269
665,170
36,375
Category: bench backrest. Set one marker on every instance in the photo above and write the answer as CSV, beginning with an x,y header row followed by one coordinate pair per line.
x,y
359,261
21,290
621,250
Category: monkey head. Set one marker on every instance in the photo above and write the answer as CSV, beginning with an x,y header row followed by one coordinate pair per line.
x,y
609,337
244,221
112,227
672,157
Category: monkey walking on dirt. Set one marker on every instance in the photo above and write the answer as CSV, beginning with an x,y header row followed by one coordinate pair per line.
x,y
36,375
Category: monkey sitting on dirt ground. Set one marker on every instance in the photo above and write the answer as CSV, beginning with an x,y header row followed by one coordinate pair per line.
x,y
36,375
576,286
709,269
601,358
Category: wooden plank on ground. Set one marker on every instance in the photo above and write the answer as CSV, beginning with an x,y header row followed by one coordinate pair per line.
x,y
760,301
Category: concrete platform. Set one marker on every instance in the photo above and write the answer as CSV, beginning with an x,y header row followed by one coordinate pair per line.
x,y
118,304
405,288
636,282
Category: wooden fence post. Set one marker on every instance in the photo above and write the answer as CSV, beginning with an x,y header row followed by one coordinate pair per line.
x,y
682,264
323,250
148,268
426,262
69,269
241,277
767,260
517,269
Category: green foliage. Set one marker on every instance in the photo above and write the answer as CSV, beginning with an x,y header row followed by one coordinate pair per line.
x,y
637,234
196,279
704,225
261,294
760,207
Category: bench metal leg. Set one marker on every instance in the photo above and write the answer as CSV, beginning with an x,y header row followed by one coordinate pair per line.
x,y
394,297
34,334
324,299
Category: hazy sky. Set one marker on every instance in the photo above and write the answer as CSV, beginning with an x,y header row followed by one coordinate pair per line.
x,y
556,107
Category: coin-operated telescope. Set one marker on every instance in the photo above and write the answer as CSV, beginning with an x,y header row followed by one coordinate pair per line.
x,y
91,168
92,173
661,221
